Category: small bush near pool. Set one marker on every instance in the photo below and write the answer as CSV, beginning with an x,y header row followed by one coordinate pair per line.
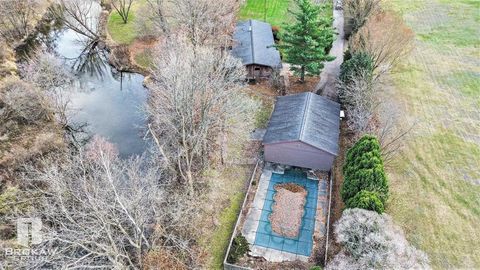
x,y
239,248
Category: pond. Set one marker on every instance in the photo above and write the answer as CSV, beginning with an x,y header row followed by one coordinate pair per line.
x,y
110,103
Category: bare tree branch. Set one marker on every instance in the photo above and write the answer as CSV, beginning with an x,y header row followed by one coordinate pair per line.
x,y
195,95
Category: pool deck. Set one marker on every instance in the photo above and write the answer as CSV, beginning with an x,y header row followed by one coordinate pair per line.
x,y
271,252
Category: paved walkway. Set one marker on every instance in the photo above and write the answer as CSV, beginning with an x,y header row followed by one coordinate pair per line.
x,y
331,71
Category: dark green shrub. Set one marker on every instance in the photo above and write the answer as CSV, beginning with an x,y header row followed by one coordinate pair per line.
x,y
358,63
239,247
316,268
347,55
366,200
363,170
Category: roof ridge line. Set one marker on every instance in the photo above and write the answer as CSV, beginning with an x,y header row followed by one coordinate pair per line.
x,y
251,38
304,117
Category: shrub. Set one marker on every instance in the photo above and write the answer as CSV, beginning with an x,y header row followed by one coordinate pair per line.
x,y
363,170
316,268
239,247
356,64
372,241
366,200
22,103
347,55
356,80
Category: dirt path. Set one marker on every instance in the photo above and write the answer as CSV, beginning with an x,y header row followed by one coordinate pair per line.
x,y
331,71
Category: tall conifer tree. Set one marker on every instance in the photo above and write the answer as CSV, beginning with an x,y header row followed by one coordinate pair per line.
x,y
305,42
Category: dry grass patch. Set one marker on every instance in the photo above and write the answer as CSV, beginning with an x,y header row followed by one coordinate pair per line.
x,y
435,184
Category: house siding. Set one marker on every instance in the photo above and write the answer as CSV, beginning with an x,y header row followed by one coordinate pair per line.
x,y
258,72
299,154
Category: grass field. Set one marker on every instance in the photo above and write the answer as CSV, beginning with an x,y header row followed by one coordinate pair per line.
x,y
435,184
274,12
124,33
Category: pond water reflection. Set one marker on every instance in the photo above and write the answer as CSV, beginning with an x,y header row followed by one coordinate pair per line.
x,y
109,102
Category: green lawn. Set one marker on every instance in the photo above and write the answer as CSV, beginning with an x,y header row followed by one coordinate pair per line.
x,y
124,33
219,243
274,12
435,184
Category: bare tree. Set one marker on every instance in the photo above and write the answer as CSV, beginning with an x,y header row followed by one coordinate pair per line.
x,y
357,13
360,98
206,21
16,17
279,82
123,8
80,16
386,38
100,211
51,75
159,9
390,131
369,113
22,103
372,241
195,97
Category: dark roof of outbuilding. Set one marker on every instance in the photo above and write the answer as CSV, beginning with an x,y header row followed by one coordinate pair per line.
x,y
305,117
254,44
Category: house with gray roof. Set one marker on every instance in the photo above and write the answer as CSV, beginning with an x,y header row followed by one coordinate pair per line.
x,y
254,45
303,131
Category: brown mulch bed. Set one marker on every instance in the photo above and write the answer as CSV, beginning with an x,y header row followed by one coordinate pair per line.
x,y
297,87
288,208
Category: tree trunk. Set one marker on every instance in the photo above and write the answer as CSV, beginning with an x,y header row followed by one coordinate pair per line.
x,y
302,75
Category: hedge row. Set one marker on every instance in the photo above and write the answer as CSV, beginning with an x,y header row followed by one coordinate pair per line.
x,y
365,184
354,66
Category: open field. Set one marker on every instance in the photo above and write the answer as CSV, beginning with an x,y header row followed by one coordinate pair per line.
x,y
435,184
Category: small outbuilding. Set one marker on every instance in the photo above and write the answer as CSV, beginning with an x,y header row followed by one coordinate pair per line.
x,y
254,44
303,131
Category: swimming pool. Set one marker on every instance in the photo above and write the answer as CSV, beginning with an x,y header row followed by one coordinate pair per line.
x,y
303,243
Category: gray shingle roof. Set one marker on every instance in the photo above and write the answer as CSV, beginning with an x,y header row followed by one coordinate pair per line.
x,y
305,117
254,44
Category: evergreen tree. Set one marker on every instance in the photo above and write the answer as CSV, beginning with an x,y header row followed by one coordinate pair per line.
x,y
304,43
357,64
368,200
363,170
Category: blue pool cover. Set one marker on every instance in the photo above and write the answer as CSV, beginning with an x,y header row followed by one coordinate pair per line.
x,y
302,244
